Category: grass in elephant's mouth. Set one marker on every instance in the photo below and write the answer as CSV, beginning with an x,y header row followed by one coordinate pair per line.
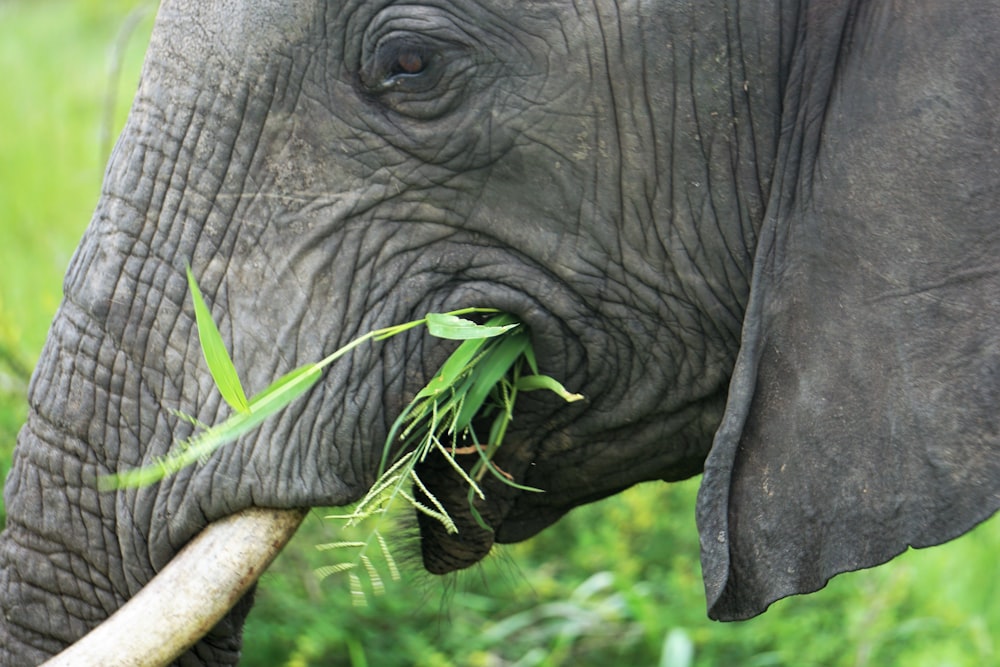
x,y
478,383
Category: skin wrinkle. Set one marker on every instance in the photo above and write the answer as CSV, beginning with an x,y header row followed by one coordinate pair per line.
x,y
617,132
176,188
52,465
750,155
706,198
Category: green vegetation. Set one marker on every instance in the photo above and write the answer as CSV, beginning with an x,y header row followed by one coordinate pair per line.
x,y
481,379
613,583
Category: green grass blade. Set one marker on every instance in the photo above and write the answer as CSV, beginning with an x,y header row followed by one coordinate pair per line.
x,y
476,515
273,399
465,355
394,434
220,364
193,450
288,387
488,372
452,368
330,570
491,467
453,327
529,356
540,382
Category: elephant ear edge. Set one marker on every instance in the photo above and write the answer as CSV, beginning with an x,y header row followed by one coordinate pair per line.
x,y
864,410
862,417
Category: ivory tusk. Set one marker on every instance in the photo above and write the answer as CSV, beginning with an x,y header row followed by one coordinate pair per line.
x,y
189,596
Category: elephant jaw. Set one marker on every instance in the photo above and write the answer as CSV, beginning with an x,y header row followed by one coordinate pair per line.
x,y
196,589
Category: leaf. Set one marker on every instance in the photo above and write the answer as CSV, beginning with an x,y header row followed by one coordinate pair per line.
x,y
276,397
538,382
220,364
454,327
287,388
494,365
452,368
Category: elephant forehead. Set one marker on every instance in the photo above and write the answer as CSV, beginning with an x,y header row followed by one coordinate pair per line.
x,y
246,31
235,28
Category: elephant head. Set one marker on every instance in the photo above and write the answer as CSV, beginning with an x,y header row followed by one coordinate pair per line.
x,y
759,237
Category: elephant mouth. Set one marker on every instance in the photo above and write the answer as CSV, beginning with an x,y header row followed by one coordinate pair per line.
x,y
537,418
475,519
544,305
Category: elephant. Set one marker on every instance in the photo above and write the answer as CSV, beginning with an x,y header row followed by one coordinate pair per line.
x,y
761,238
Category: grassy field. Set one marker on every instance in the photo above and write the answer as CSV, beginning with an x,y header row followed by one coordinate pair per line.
x,y
614,583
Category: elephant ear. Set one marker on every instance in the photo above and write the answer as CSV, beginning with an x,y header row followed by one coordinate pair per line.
x,y
864,411
862,420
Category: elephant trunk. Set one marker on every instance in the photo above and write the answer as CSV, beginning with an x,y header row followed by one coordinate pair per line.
x,y
70,556
122,356
188,597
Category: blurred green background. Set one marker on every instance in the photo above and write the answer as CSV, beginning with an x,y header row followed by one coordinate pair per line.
x,y
617,583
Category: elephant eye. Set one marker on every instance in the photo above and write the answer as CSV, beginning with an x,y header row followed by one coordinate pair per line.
x,y
401,65
417,73
408,62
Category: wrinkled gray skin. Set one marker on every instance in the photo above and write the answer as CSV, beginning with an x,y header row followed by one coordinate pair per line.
x,y
774,224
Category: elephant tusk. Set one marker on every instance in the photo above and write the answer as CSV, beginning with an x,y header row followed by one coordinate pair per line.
x,y
190,595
